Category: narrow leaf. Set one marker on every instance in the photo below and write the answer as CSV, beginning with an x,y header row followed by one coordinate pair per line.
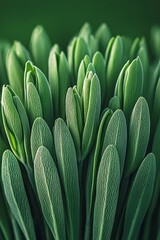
x,y
49,192
139,131
139,197
108,181
67,166
16,195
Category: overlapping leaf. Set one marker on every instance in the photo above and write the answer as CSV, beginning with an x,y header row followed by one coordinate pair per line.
x,y
49,192
107,189
16,195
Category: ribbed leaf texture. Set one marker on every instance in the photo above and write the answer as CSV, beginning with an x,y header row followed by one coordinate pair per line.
x,y
79,137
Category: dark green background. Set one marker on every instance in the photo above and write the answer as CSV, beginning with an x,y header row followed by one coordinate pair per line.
x,y
64,18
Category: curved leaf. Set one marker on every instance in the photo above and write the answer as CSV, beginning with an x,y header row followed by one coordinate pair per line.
x,y
16,195
67,166
116,134
49,192
139,197
41,136
139,131
107,190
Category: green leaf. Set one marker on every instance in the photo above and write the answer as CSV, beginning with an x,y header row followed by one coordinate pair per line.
x,y
156,105
155,144
15,63
107,189
85,31
3,144
95,158
16,229
58,81
139,49
74,117
103,36
119,88
4,48
155,36
5,224
32,96
91,97
114,62
67,166
16,125
117,136
81,50
94,161
35,76
49,192
138,137
82,73
139,197
114,103
56,48
99,64
41,136
132,86
152,84
40,46
77,50
16,195
90,40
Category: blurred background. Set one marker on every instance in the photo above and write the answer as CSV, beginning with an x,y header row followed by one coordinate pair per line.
x,y
62,19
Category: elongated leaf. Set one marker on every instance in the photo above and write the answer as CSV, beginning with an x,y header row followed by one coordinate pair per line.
x,y
108,181
103,36
36,76
92,108
67,166
59,81
139,197
114,62
49,192
81,50
33,110
16,195
82,73
40,46
17,231
99,64
90,40
139,131
156,106
16,125
5,224
77,50
64,82
132,86
15,63
41,136
116,134
74,117
94,161
119,84
4,48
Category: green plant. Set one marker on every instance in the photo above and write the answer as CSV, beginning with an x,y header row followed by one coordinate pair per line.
x,y
79,138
